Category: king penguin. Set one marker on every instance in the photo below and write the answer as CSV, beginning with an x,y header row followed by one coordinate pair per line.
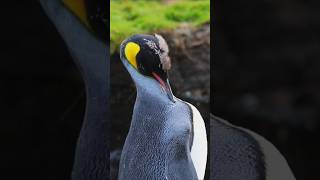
x,y
83,26
239,154
167,136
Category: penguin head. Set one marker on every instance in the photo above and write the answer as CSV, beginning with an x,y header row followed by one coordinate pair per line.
x,y
146,59
92,13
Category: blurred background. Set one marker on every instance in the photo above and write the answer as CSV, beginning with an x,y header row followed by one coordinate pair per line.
x,y
42,96
185,26
266,74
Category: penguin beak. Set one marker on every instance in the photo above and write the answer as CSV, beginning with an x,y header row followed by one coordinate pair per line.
x,y
165,86
169,91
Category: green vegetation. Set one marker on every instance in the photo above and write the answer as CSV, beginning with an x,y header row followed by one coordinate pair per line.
x,y
140,16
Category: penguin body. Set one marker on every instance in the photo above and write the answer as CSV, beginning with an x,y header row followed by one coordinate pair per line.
x,y
161,143
240,154
158,143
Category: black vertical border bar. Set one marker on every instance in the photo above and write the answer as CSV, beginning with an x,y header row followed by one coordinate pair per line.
x,y
108,58
210,127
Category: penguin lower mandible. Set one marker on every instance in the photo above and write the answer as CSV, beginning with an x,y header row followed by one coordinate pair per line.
x,y
240,154
167,137
83,26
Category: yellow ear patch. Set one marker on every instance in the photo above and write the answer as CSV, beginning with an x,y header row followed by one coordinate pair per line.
x,y
131,50
78,7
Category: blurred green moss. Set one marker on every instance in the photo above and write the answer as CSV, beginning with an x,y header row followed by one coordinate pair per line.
x,y
140,16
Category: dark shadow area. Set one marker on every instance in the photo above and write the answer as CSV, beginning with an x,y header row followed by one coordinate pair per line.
x,y
41,96
266,75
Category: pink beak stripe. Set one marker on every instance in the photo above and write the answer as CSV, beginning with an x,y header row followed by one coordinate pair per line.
x,y
159,80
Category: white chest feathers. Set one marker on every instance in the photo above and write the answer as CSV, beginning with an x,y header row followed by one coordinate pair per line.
x,y
199,149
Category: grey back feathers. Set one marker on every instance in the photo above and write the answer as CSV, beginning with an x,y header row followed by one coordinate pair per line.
x,y
235,154
239,154
158,143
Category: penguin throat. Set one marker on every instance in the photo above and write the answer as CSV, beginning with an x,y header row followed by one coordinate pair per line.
x,y
154,92
148,88
162,83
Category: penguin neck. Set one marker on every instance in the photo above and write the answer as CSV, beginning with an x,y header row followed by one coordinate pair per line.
x,y
154,93
148,89
96,78
93,141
